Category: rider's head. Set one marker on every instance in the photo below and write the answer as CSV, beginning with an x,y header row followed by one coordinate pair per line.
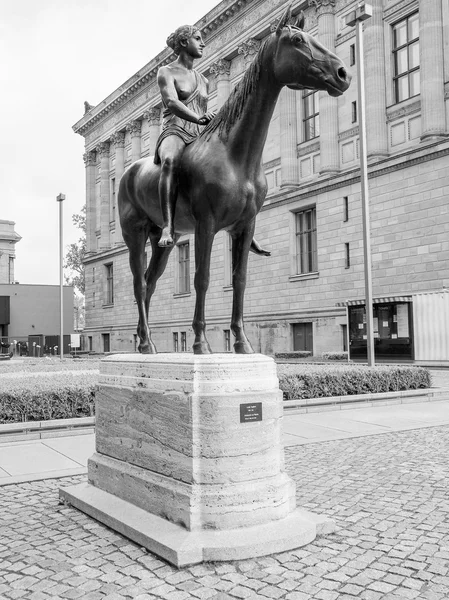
x,y
182,34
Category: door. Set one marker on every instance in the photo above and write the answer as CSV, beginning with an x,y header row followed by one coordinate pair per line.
x,y
303,337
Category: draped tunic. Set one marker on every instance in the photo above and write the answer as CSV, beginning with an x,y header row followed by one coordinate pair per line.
x,y
174,125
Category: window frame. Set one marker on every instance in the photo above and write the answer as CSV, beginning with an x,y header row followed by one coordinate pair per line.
x,y
396,77
306,242
109,284
183,264
313,117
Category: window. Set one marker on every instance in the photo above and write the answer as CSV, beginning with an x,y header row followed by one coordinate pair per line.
x,y
311,119
345,208
90,343
11,270
183,341
406,58
347,256
303,337
93,299
109,283
184,268
352,55
306,244
113,199
93,274
354,111
228,259
175,342
227,340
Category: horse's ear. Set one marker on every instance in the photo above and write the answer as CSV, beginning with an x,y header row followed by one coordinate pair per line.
x,y
301,20
284,19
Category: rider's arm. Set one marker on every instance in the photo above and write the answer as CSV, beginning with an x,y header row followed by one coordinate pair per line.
x,y
169,95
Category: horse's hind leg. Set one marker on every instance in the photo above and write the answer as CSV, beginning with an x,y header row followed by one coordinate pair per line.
x,y
241,243
135,238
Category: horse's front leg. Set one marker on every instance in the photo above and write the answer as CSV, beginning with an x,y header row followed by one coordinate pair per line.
x,y
135,238
241,243
204,237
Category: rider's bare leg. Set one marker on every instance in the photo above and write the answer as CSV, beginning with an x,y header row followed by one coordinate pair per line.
x,y
170,151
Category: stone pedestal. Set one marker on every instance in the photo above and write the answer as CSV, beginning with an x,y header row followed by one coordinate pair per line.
x,y
189,460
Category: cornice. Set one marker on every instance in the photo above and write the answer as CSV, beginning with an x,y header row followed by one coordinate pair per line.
x,y
393,112
344,135
272,163
303,149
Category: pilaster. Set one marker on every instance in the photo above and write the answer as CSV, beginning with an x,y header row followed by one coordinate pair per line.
x,y
222,69
118,140
288,138
432,69
375,87
328,105
90,161
105,238
134,128
154,121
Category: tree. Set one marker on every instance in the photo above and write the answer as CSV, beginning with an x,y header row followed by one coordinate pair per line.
x,y
75,255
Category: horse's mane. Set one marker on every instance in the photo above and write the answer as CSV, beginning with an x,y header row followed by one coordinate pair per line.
x,y
232,109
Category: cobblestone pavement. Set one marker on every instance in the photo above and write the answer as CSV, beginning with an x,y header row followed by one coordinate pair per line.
x,y
388,494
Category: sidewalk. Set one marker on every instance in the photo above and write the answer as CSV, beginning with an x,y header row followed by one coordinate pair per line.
x,y
67,456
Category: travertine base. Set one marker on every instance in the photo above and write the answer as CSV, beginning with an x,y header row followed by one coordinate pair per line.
x,y
178,472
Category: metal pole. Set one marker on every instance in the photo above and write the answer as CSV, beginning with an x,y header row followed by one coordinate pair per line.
x,y
362,13
60,198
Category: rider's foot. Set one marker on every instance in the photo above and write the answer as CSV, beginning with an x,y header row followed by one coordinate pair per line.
x,y
257,249
166,238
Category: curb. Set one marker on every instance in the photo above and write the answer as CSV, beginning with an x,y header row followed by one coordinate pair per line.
x,y
363,400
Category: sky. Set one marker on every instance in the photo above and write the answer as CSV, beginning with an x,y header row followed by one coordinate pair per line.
x,y
55,55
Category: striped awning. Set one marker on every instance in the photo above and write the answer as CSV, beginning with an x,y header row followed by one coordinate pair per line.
x,y
378,300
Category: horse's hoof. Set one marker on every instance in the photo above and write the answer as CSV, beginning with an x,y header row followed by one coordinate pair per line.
x,y
243,348
201,348
147,348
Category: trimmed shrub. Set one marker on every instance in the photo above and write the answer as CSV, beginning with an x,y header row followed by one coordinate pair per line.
x,y
296,354
299,382
335,356
47,396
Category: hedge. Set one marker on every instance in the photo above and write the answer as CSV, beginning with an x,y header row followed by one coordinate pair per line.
x,y
48,396
299,382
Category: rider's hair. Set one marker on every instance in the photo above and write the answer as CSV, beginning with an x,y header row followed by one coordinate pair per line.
x,y
182,34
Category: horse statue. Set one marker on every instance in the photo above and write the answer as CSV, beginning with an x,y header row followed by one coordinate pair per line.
x,y
222,183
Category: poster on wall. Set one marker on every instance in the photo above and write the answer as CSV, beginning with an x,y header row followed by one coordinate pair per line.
x,y
402,322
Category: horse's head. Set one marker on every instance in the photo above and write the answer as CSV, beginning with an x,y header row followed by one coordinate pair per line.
x,y
301,62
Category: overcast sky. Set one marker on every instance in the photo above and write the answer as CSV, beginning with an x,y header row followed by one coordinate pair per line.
x,y
56,54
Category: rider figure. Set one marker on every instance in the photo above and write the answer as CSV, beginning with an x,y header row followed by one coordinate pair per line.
x,y
184,94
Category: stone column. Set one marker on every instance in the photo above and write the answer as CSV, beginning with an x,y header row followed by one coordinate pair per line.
x,y
222,69
431,68
134,128
105,238
154,121
118,139
288,138
90,160
375,86
328,106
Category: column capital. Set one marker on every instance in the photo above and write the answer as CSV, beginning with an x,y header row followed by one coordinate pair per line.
x,y
153,115
134,128
221,68
323,6
90,158
118,139
249,49
102,149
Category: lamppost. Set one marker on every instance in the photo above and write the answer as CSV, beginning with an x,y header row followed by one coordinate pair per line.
x,y
60,198
356,18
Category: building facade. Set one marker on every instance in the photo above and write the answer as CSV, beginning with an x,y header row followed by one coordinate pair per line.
x,y
8,241
309,295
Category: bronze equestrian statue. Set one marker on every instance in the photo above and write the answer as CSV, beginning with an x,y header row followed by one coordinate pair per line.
x,y
221,183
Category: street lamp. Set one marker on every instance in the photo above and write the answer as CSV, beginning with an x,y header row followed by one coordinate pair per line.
x,y
60,198
355,18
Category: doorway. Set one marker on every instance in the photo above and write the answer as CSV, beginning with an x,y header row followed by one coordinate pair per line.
x,y
303,337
